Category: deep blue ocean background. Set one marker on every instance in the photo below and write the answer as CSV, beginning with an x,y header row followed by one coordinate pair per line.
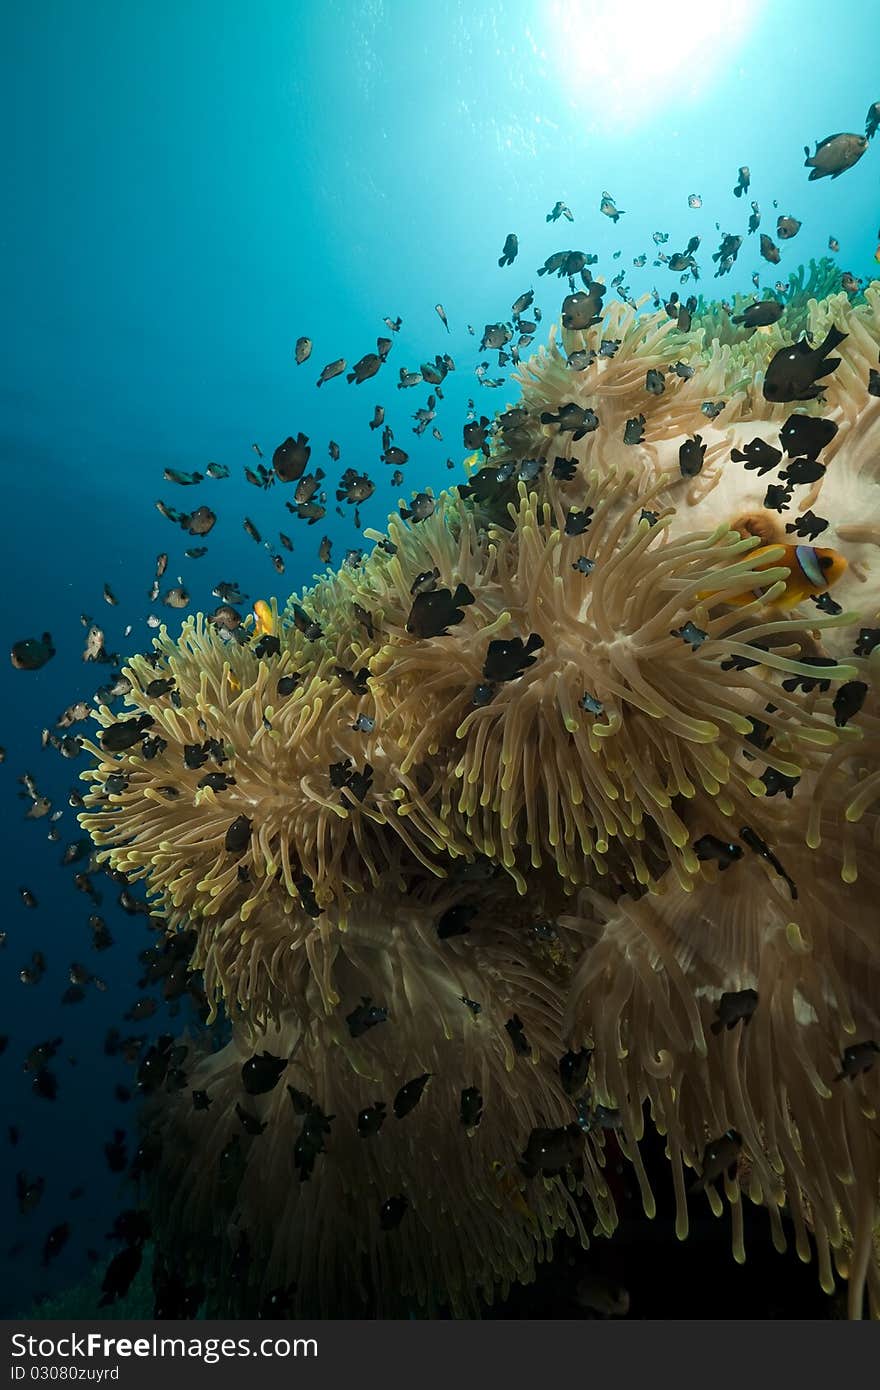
x,y
189,188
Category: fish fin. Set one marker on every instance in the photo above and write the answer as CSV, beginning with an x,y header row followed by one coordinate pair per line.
x,y
717,1026
829,365
833,338
816,174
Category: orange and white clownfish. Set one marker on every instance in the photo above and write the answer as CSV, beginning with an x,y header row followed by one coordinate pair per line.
x,y
264,623
811,570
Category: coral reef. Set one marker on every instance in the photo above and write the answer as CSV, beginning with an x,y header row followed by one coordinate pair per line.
x,y
547,776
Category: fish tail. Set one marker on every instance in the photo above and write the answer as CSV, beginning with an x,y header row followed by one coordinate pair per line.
x,y
833,338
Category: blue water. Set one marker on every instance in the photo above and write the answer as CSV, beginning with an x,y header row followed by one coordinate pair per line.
x,y
189,188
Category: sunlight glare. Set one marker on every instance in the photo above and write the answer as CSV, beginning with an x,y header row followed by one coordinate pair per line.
x,y
624,57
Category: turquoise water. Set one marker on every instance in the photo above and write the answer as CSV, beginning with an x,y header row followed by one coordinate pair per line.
x,y
192,187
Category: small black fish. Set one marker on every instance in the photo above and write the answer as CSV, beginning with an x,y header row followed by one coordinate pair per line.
x,y
654,382
801,471
217,781
120,1274
834,155
777,497
201,1100
260,1074
410,1094
153,1068
753,840
564,469
115,1153
690,456
776,782
591,704
250,1123
470,1108
795,372
719,1156
392,1212
710,847
55,1242
573,1069
291,458
769,250
371,1119
29,1192
31,653
124,733
809,683
848,700
634,430
757,455
238,835
455,921
760,314
868,639
734,1008
572,419
858,1058
516,1031
508,659
434,612
805,436
808,525
551,1151
690,633
576,522
366,1015
511,250
826,604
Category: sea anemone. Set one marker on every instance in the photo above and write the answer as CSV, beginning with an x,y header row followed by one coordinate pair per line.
x,y
646,997
476,1013
571,698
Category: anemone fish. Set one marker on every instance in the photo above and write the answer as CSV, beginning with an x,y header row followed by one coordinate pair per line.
x,y
264,623
811,570
511,1190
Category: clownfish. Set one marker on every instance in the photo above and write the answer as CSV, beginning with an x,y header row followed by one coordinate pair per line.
x,y
264,623
511,1190
811,570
